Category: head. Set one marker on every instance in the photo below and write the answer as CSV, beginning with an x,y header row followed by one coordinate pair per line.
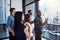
x,y
30,12
27,18
18,18
12,11
39,13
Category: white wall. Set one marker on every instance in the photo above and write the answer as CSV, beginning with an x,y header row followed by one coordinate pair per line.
x,y
16,4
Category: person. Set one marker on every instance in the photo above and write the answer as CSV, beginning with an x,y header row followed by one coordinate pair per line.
x,y
38,25
27,24
20,30
32,24
30,12
10,23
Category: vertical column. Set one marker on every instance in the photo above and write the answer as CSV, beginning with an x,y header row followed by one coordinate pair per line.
x,y
23,5
10,3
36,7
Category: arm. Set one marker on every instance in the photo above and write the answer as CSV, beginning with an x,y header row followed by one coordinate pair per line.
x,y
27,32
33,21
8,25
10,30
27,29
46,22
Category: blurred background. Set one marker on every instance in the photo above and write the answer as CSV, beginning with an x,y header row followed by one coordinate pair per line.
x,y
49,8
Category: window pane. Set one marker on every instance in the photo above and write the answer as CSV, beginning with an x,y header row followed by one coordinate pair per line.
x,y
16,4
30,7
28,1
50,9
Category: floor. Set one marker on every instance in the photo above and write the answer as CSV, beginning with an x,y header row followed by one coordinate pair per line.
x,y
46,35
42,39
5,34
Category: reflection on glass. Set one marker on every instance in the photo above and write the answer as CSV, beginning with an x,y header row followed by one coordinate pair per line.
x,y
51,9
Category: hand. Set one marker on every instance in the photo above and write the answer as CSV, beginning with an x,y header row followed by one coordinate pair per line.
x,y
33,33
46,21
13,34
10,30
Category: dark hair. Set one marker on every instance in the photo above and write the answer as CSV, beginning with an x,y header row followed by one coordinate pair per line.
x,y
29,11
11,9
27,16
39,12
18,19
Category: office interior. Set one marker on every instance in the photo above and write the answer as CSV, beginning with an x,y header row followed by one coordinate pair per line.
x,y
49,8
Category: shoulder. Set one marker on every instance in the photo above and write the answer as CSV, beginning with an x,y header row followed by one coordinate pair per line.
x,y
9,16
36,18
27,23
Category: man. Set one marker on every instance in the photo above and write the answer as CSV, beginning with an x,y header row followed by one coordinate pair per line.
x,y
30,12
38,25
10,23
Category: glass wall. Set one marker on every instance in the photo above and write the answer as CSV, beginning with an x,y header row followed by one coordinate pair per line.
x,y
7,8
17,4
4,10
51,9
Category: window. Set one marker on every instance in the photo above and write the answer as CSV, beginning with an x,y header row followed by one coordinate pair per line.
x,y
28,1
17,4
50,9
